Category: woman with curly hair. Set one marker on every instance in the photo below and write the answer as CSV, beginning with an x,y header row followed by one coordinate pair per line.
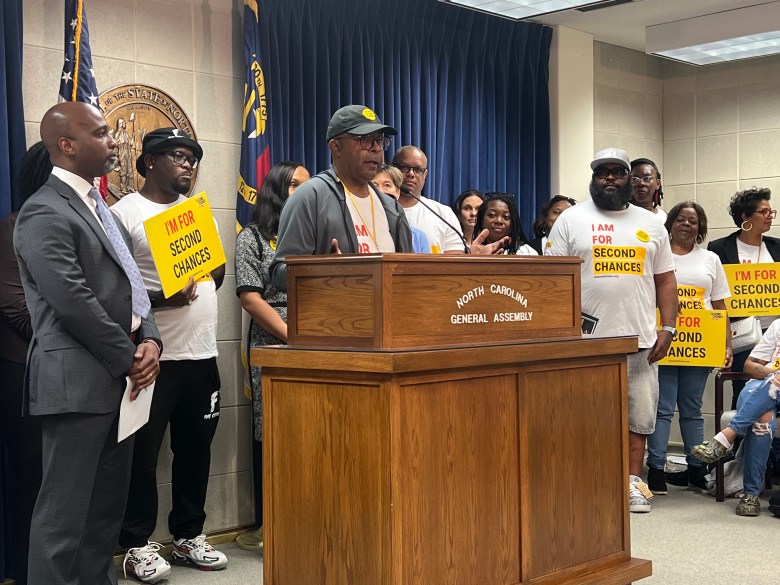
x,y
752,214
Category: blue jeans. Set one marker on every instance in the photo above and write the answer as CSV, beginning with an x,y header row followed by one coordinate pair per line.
x,y
683,386
756,398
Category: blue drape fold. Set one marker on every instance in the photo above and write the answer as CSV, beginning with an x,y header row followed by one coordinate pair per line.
x,y
468,88
12,141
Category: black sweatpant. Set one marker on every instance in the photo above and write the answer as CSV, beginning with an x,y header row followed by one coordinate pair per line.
x,y
186,395
20,447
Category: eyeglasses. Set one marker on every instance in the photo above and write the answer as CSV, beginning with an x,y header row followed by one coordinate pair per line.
x,y
767,213
419,171
179,158
604,172
368,141
647,179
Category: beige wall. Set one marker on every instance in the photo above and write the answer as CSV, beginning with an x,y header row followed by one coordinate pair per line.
x,y
628,102
712,131
193,50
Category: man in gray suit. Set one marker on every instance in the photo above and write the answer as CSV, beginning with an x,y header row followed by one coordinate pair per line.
x,y
91,329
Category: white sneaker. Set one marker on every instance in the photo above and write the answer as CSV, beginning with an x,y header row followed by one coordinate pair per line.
x,y
197,552
639,495
145,563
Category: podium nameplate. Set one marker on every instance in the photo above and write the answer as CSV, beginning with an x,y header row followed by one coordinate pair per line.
x,y
395,301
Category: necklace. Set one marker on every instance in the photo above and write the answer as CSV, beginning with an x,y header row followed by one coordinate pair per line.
x,y
371,232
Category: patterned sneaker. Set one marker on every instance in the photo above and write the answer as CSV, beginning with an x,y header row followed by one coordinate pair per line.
x,y
197,552
710,451
639,495
748,506
145,564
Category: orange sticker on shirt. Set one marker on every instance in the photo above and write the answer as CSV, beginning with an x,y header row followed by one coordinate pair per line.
x,y
642,236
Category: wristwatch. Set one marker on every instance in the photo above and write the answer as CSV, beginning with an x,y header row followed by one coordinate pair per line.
x,y
670,329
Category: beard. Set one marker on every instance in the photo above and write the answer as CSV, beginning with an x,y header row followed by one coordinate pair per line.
x,y
612,201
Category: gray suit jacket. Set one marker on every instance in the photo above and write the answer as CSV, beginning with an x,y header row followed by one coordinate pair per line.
x,y
80,304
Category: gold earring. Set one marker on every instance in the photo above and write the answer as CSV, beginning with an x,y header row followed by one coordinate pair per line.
x,y
746,229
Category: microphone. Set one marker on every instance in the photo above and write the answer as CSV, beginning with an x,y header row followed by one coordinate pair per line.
x,y
406,191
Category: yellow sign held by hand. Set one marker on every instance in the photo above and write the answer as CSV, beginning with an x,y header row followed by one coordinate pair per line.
x,y
185,243
700,339
755,289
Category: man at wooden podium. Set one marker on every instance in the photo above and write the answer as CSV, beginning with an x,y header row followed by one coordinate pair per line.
x,y
340,209
627,271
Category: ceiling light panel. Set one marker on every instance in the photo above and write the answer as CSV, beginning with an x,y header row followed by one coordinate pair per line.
x,y
521,9
732,35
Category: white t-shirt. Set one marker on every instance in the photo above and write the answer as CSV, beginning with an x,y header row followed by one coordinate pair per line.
x,y
370,221
441,237
768,349
700,279
188,332
622,251
524,250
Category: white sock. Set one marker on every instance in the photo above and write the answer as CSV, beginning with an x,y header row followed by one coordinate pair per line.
x,y
721,438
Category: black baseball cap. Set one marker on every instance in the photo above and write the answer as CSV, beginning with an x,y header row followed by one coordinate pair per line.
x,y
163,139
357,120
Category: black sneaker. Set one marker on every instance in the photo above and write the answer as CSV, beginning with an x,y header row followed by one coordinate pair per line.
x,y
697,476
774,504
678,478
656,482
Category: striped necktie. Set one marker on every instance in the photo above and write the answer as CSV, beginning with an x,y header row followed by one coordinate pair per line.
x,y
141,304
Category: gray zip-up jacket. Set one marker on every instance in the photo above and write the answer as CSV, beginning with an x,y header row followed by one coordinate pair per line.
x,y
317,213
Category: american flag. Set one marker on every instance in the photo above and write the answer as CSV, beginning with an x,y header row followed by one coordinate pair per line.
x,y
77,83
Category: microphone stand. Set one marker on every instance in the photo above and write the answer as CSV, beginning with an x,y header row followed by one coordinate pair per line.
x,y
406,191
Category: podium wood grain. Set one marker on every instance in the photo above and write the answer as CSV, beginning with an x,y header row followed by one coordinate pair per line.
x,y
490,465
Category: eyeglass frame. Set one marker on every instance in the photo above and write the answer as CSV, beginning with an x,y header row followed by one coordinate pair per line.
x,y
646,179
382,141
606,172
767,213
419,171
174,154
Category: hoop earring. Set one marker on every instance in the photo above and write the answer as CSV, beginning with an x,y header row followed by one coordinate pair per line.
x,y
746,229
699,239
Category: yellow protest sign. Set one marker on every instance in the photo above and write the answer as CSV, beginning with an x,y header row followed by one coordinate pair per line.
x,y
755,289
185,243
700,340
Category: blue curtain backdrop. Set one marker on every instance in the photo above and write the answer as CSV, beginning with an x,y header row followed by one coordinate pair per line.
x,y
12,141
470,89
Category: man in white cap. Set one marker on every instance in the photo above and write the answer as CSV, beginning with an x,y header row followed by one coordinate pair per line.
x,y
627,271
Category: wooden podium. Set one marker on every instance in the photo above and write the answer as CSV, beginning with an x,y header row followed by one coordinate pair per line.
x,y
416,433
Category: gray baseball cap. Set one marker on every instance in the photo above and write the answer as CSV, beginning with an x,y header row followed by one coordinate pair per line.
x,y
358,120
616,156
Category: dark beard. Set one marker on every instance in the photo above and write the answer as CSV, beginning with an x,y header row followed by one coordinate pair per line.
x,y
615,201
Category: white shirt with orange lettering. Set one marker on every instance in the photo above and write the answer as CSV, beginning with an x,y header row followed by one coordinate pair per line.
x,y
700,279
621,252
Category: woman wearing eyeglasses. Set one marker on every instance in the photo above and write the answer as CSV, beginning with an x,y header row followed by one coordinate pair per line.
x,y
647,191
701,284
753,214
499,215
